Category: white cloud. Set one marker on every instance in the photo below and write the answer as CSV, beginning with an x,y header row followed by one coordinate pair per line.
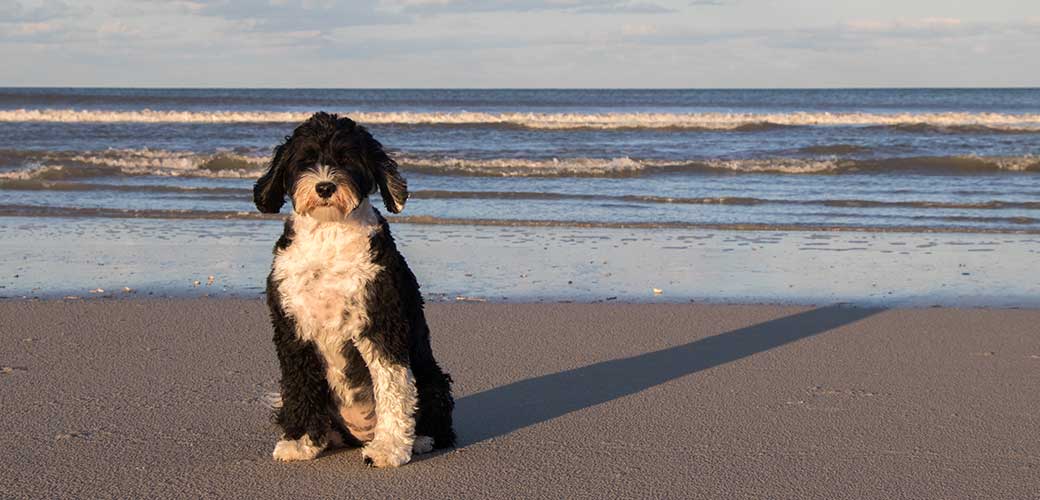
x,y
296,15
891,25
13,11
557,43
638,29
567,6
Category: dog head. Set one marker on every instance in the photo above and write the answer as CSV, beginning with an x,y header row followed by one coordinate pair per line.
x,y
328,166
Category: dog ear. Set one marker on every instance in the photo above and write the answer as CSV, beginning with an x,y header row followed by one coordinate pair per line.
x,y
392,186
269,190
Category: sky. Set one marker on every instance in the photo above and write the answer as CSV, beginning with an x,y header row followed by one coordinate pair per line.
x,y
520,43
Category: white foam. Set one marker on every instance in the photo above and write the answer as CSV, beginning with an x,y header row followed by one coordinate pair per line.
x,y
624,166
512,167
61,165
133,162
162,162
709,121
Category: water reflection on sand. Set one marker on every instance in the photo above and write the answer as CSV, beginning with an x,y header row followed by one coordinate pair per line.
x,y
59,257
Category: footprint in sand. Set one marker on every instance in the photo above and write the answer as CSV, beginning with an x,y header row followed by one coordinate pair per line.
x,y
81,435
73,435
827,391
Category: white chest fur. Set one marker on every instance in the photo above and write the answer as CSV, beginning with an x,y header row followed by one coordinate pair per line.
x,y
323,276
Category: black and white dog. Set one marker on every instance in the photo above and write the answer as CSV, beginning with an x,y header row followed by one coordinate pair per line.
x,y
352,340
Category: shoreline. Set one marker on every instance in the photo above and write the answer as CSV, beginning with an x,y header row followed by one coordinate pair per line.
x,y
56,258
116,297
168,398
34,211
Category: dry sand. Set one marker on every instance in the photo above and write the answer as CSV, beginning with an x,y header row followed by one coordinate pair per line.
x,y
168,398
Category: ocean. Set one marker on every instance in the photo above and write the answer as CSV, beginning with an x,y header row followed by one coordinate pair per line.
x,y
907,161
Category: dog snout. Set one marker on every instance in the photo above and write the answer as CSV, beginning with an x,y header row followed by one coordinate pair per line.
x,y
325,189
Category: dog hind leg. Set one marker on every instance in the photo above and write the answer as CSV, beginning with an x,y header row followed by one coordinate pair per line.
x,y
436,405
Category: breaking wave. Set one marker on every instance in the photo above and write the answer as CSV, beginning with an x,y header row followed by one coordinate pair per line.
x,y
725,200
53,166
628,167
58,166
47,185
954,122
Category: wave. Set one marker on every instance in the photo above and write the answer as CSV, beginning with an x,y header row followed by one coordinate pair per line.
x,y
958,122
126,213
724,200
59,166
628,167
964,129
225,193
834,149
433,220
65,165
65,212
46,185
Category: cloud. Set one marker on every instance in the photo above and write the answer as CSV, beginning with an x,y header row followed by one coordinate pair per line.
x,y
295,15
510,43
849,35
568,6
903,25
13,11
638,29
624,8
32,30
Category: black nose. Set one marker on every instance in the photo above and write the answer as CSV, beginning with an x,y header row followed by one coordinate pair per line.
x,y
325,189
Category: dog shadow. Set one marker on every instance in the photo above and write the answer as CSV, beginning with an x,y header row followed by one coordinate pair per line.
x,y
502,410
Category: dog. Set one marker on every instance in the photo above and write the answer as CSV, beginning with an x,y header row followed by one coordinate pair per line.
x,y
349,329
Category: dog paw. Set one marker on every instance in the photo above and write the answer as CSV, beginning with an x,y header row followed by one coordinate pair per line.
x,y
288,450
386,454
422,444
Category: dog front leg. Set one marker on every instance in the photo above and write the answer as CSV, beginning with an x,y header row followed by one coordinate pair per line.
x,y
396,398
303,415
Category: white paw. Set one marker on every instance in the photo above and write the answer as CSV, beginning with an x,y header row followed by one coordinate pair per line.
x,y
422,444
296,449
386,453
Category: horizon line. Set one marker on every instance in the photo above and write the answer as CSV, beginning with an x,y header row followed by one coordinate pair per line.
x,y
160,87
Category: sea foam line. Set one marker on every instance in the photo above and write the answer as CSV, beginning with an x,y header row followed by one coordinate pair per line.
x,y
705,121
229,193
629,167
54,166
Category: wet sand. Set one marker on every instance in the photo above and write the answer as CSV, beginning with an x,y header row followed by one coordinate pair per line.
x,y
91,257
169,398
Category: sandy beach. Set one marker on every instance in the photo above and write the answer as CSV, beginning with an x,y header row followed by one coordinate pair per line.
x,y
169,398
